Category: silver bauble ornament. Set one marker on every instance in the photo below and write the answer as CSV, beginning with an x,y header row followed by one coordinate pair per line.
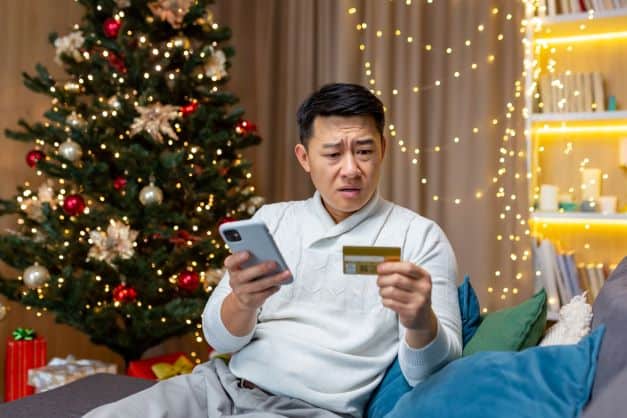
x,y
35,276
70,150
150,195
3,311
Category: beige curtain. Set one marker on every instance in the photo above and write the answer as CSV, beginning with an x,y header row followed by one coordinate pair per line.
x,y
287,48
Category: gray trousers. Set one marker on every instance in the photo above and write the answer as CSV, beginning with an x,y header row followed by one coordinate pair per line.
x,y
210,391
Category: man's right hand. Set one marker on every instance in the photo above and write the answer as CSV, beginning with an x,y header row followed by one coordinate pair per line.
x,y
248,285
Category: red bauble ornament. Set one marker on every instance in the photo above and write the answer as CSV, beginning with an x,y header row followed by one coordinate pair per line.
x,y
116,62
189,108
33,157
74,205
111,27
188,281
245,127
119,183
124,293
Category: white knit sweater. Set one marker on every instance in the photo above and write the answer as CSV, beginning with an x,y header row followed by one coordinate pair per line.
x,y
326,338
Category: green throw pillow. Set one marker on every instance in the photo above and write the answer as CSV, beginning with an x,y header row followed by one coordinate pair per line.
x,y
511,329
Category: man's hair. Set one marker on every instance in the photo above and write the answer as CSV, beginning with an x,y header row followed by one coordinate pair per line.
x,y
338,99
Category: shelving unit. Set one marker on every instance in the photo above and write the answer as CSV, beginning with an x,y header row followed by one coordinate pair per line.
x,y
560,144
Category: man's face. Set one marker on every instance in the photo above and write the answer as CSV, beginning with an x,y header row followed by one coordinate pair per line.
x,y
344,158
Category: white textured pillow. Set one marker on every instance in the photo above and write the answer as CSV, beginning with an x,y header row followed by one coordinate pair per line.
x,y
574,323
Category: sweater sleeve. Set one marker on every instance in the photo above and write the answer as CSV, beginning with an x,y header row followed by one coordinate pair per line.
x,y
428,247
216,333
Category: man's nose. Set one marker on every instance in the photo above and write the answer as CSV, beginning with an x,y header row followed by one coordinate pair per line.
x,y
349,166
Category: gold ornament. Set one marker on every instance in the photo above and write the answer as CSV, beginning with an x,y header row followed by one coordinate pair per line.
x,y
155,120
70,150
118,241
150,195
172,11
35,276
206,20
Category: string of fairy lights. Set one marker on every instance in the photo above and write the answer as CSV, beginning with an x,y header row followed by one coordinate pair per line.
x,y
506,151
511,138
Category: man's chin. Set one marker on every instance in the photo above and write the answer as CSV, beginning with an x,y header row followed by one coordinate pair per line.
x,y
349,205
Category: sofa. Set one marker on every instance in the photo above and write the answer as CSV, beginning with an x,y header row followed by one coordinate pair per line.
x,y
587,379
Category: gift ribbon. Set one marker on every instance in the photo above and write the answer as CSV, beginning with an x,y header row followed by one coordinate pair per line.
x,y
25,334
182,365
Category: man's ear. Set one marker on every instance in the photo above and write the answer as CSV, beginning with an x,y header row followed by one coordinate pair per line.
x,y
383,146
303,158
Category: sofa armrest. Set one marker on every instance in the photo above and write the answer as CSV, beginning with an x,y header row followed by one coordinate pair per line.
x,y
76,398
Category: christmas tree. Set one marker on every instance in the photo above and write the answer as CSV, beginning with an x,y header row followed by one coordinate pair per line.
x,y
139,160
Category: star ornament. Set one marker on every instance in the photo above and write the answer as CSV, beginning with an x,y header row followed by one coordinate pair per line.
x,y
155,120
118,241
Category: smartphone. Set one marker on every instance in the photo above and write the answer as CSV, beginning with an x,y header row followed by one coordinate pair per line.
x,y
253,236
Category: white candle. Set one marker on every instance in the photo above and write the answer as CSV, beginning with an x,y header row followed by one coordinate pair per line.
x,y
548,198
590,184
607,204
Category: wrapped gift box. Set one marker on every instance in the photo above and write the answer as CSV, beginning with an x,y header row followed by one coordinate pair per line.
x,y
62,371
143,368
22,355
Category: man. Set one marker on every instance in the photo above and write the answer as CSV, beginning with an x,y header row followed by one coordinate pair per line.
x,y
318,347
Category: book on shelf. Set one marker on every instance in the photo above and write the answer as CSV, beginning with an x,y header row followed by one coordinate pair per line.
x,y
572,92
563,7
599,93
562,278
545,273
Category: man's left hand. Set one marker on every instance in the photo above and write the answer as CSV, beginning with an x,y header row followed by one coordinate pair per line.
x,y
405,288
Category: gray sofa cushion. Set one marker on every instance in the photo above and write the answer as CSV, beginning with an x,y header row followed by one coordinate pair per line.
x,y
610,402
610,308
76,398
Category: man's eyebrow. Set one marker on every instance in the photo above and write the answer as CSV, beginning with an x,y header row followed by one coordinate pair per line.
x,y
332,144
366,141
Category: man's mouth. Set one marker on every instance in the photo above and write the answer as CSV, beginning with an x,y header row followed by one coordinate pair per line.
x,y
350,192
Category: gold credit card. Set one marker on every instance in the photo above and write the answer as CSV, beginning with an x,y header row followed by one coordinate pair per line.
x,y
364,260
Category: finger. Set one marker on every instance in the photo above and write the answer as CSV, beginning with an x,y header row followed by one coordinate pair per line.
x,y
393,305
399,295
233,261
265,294
399,281
266,283
258,298
256,271
401,267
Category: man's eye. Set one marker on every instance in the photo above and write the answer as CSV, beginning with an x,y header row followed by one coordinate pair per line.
x,y
333,155
365,152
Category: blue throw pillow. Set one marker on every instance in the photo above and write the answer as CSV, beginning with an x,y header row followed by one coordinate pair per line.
x,y
548,382
469,308
390,390
394,385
